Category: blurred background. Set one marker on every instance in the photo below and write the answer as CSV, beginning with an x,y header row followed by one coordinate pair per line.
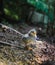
x,y
38,13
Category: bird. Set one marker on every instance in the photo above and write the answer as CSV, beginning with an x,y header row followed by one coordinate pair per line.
x,y
29,39
30,36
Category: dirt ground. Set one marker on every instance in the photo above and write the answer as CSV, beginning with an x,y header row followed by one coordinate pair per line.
x,y
14,51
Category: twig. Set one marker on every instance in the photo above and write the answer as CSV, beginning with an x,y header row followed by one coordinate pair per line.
x,y
11,29
6,43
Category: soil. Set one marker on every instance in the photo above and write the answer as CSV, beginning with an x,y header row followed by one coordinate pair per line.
x,y
13,51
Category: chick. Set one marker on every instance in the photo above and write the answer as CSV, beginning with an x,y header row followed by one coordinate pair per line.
x,y
30,36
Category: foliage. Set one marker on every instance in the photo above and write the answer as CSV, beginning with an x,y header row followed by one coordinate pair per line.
x,y
45,8
14,8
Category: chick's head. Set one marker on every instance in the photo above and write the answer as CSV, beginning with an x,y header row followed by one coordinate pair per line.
x,y
33,34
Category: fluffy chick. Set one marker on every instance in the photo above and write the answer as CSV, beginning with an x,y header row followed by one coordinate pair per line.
x,y
30,36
